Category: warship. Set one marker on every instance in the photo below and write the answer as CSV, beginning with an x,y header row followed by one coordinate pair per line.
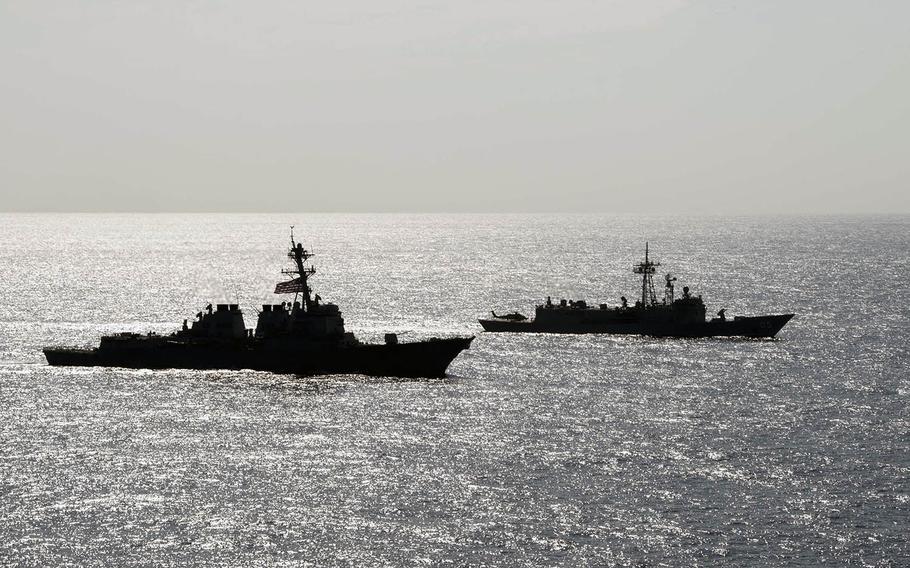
x,y
304,337
670,317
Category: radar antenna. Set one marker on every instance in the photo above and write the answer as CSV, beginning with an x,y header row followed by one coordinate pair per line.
x,y
668,289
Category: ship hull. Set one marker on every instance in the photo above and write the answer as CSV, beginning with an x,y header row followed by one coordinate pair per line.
x,y
756,327
418,359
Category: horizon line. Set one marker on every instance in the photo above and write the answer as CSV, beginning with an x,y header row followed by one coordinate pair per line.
x,y
441,212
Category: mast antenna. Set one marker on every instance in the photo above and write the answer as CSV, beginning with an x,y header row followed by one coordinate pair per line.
x,y
298,285
647,270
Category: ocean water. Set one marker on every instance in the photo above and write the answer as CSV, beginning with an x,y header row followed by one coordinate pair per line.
x,y
536,450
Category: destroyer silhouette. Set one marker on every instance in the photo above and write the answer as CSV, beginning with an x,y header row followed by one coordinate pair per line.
x,y
304,336
669,317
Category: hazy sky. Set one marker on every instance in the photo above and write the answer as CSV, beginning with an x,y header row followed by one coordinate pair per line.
x,y
719,106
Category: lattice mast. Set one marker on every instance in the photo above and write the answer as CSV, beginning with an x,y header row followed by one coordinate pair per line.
x,y
647,270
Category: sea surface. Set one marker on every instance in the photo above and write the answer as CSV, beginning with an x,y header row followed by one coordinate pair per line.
x,y
536,450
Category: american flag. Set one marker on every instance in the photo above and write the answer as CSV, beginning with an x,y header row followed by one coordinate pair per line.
x,y
289,287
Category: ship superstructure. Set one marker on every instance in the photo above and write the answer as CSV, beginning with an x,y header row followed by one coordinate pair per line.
x,y
305,317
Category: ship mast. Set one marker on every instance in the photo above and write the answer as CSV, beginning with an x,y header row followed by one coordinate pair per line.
x,y
298,285
647,270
